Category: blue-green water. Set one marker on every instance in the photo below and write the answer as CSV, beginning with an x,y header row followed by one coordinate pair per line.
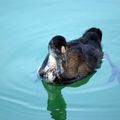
x,y
26,26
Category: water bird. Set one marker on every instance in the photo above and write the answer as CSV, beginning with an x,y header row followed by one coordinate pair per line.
x,y
68,61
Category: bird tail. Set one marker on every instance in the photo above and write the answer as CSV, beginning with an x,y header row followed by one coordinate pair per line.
x,y
94,32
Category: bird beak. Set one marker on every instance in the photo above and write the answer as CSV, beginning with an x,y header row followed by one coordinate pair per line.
x,y
63,50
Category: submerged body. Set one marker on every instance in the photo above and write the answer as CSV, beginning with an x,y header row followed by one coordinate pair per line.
x,y
74,59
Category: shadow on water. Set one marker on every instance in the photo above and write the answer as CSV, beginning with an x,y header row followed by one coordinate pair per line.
x,y
115,75
56,103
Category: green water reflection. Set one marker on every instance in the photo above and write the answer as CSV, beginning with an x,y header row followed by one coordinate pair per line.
x,y
56,103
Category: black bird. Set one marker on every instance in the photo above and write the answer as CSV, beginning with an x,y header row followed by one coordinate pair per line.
x,y
70,61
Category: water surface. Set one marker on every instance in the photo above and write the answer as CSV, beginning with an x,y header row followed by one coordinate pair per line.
x,y
26,26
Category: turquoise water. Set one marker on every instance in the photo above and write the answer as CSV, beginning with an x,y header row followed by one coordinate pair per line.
x,y
26,26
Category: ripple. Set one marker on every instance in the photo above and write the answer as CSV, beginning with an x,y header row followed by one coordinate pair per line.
x,y
91,90
22,103
80,109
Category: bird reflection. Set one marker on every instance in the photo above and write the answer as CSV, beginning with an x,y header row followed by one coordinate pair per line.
x,y
56,103
115,75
